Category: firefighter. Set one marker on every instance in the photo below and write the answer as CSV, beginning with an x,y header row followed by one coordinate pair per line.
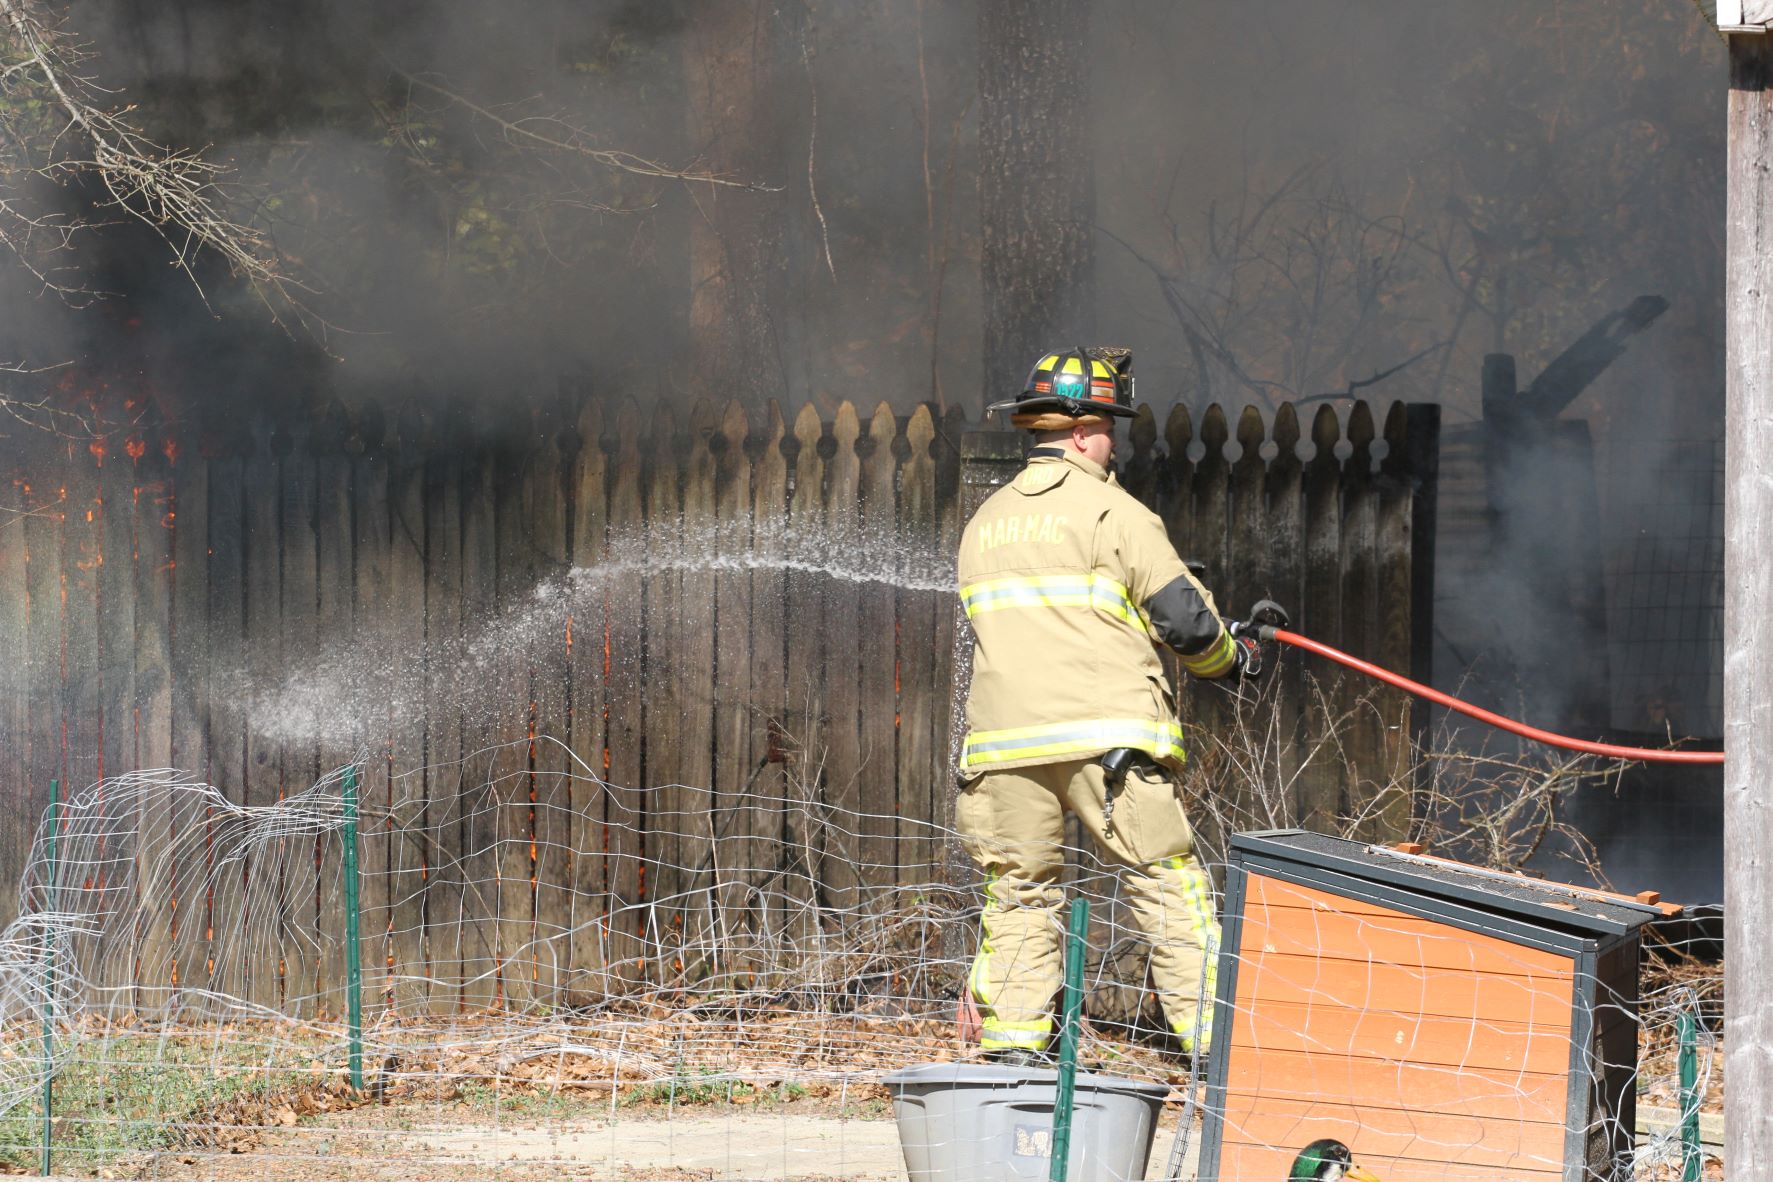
x,y
1068,583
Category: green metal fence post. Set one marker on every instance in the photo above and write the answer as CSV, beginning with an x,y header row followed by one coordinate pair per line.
x,y
1072,1009
353,950
1688,1027
55,792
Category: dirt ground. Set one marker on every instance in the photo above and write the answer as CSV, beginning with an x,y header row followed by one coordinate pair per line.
x,y
706,1145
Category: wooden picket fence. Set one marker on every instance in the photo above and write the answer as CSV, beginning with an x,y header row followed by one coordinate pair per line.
x,y
150,579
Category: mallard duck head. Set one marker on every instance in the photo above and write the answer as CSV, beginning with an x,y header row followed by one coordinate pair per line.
x,y
1327,1160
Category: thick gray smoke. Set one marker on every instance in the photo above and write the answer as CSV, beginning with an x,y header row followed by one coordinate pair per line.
x,y
1290,198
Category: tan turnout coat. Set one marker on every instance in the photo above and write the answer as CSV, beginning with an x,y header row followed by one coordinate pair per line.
x,y
1055,568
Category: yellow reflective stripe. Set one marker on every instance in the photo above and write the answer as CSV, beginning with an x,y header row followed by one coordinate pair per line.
x,y
1097,591
995,1033
1002,1040
976,979
1160,739
1217,661
1197,900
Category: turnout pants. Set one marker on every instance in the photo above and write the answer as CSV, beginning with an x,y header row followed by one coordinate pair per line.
x,y
1012,823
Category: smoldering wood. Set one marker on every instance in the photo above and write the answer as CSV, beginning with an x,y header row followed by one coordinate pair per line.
x,y
710,662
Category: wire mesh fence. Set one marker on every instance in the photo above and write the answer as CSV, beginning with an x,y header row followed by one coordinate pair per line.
x,y
543,979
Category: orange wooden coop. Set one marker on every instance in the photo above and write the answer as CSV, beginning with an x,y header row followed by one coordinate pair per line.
x,y
1443,1021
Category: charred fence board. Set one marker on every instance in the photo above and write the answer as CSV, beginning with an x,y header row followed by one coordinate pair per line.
x,y
626,917
447,790
407,756
839,640
1283,580
298,762
371,608
514,714
67,741
768,696
734,851
693,793
156,884
917,785
224,886
807,836
188,683
662,740
726,626
334,597
15,693
1321,798
877,691
476,938
588,653
550,789
260,951
1364,784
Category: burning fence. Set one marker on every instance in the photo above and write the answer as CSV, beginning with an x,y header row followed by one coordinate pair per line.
x,y
666,599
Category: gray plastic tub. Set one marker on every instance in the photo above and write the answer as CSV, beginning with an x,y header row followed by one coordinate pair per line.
x,y
969,1122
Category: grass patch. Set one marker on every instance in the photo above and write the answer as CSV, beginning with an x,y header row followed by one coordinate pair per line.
x,y
139,1092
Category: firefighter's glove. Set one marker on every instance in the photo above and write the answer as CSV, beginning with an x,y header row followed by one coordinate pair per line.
x,y
1248,635
1248,652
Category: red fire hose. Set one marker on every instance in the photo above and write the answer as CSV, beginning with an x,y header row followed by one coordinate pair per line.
x,y
1482,715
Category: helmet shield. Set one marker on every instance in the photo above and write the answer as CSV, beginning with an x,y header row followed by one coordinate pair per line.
x,y
1077,382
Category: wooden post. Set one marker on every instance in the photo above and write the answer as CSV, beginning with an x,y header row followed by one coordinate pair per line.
x,y
1748,597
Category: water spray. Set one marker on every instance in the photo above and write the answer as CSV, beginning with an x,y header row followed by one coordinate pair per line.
x,y
1268,632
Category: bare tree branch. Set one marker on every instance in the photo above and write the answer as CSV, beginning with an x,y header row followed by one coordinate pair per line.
x,y
568,138
176,193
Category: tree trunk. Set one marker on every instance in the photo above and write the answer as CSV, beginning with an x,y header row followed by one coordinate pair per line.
x,y
736,255
1036,188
